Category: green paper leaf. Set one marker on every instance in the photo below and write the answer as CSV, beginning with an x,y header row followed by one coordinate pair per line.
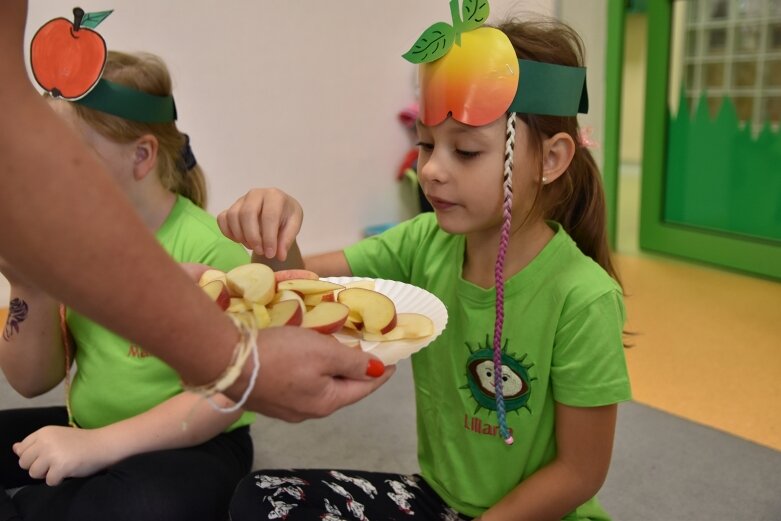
x,y
92,20
474,14
434,43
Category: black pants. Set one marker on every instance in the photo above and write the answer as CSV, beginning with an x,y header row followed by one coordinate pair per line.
x,y
333,495
189,484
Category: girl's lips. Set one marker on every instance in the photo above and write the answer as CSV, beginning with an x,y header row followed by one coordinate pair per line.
x,y
440,204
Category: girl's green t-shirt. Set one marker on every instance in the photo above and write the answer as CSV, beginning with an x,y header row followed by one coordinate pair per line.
x,y
562,338
116,379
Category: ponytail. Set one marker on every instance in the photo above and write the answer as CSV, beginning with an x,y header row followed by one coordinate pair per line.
x,y
576,200
147,73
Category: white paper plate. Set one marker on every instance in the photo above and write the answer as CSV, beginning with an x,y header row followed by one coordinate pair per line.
x,y
408,299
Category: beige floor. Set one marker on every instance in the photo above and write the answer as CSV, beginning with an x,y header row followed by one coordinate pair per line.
x,y
707,345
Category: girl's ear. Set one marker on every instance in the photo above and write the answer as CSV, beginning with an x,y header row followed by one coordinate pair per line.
x,y
558,151
145,156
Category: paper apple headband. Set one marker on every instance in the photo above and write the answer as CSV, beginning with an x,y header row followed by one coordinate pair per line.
x,y
67,59
125,102
473,74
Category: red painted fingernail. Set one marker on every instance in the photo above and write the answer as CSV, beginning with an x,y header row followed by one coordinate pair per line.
x,y
375,368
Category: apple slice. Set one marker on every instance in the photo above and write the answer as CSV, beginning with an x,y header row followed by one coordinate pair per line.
x,y
396,333
362,283
210,275
355,326
409,326
415,325
254,282
262,316
314,299
356,319
287,294
218,292
237,305
308,286
377,312
285,313
295,274
326,317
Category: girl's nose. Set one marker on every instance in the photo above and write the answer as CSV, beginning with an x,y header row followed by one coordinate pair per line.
x,y
432,170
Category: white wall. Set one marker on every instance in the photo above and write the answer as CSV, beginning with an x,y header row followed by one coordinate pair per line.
x,y
299,95
589,19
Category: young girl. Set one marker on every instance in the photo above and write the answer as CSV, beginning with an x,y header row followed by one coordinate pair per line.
x,y
516,400
127,452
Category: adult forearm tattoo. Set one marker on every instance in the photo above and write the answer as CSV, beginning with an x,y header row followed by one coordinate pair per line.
x,y
17,313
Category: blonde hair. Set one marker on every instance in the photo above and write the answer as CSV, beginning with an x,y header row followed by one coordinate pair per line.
x,y
147,73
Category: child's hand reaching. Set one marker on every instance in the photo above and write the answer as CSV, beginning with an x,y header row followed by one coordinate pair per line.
x,y
265,220
54,453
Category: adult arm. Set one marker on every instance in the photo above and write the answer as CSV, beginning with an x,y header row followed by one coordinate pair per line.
x,y
61,212
57,206
584,439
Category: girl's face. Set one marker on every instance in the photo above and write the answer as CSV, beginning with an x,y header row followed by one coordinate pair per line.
x,y
461,167
117,157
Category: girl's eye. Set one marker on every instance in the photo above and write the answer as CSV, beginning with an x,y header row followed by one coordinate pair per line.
x,y
425,146
467,154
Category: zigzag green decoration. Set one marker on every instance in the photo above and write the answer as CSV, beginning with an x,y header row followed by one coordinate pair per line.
x,y
719,176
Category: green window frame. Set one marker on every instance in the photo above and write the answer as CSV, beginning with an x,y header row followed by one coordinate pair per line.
x,y
732,251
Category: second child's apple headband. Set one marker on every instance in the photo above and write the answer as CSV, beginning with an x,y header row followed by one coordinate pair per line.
x,y
67,59
472,74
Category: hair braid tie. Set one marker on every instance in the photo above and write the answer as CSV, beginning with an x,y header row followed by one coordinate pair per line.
x,y
499,277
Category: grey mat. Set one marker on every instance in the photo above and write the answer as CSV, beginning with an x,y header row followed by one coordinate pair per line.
x,y
664,468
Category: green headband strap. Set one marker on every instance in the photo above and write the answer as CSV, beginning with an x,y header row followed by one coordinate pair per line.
x,y
125,102
548,89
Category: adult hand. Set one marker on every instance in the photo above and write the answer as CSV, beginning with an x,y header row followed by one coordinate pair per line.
x,y
265,220
305,374
54,453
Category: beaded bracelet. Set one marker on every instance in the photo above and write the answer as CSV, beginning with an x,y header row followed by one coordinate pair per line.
x,y
246,346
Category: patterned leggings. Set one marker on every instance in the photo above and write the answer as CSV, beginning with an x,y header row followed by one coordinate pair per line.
x,y
334,495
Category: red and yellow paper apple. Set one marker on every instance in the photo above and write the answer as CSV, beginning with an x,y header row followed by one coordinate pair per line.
x,y
466,71
474,82
67,57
